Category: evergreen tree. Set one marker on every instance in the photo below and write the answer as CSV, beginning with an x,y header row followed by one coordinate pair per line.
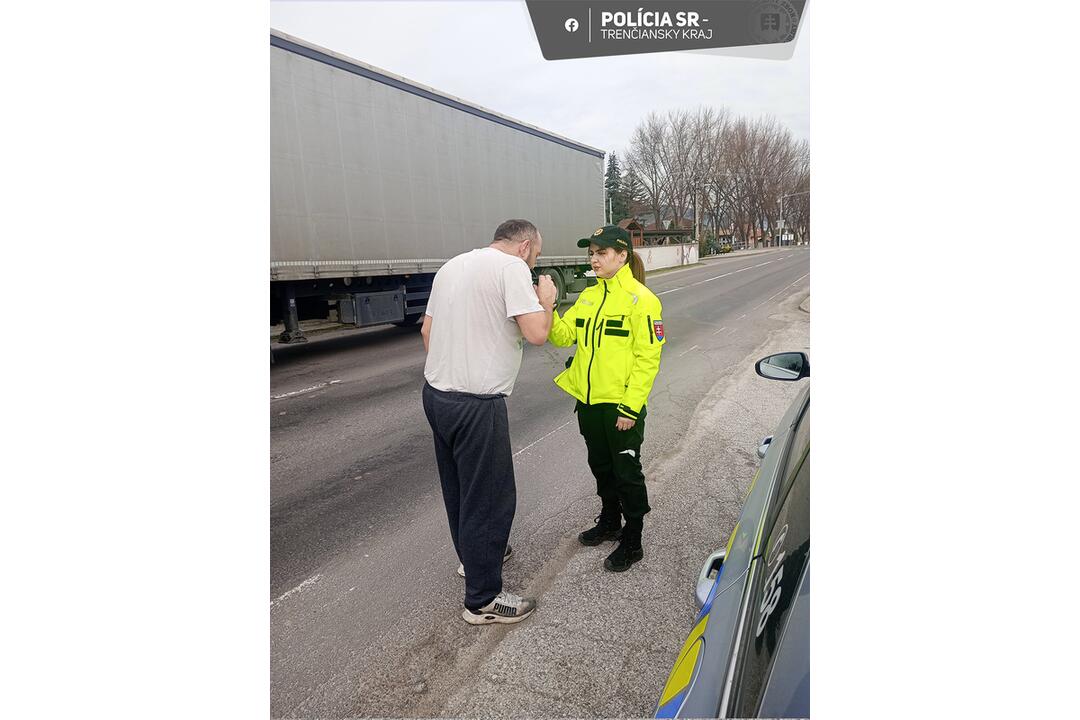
x,y
614,189
633,193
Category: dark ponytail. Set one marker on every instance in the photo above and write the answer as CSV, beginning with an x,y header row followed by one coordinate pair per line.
x,y
637,267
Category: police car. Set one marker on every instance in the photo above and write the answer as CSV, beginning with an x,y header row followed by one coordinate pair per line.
x,y
748,654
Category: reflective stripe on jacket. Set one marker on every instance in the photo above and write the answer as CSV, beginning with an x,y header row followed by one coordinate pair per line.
x,y
619,333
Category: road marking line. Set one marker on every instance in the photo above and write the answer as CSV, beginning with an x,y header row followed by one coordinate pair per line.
x,y
313,388
795,282
732,330
700,282
298,588
742,316
686,351
719,331
543,438
717,277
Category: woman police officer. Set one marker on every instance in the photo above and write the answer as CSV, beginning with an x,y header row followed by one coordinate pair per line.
x,y
619,332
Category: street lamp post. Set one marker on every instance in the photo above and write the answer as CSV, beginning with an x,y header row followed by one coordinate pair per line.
x,y
804,192
697,222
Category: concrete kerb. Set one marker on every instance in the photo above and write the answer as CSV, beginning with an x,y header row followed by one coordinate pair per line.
x,y
747,253
709,259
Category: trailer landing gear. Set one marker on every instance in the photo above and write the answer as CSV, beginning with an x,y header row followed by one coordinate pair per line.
x,y
293,333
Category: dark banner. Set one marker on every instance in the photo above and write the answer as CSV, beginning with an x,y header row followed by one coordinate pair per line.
x,y
575,29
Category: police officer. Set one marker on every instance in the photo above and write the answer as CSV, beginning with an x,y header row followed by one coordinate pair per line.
x,y
619,333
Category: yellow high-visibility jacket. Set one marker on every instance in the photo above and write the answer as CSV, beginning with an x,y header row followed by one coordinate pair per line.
x,y
619,332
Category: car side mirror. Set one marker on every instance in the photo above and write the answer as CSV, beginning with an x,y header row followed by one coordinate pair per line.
x,y
788,366
764,447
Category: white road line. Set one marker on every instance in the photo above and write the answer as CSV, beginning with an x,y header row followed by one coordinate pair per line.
x,y
686,351
543,438
792,284
313,388
298,588
733,330
716,277
742,316
700,282
761,303
719,331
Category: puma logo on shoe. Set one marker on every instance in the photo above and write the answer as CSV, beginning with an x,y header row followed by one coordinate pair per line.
x,y
505,608
628,452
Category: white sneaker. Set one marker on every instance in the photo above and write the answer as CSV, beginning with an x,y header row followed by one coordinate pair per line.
x,y
506,556
505,608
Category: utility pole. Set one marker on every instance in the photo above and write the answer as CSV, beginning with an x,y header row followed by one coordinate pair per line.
x,y
781,219
805,192
697,222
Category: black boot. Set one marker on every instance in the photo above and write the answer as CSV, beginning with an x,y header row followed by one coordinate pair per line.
x,y
608,526
629,550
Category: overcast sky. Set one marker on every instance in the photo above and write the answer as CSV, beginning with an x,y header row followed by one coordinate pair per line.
x,y
486,53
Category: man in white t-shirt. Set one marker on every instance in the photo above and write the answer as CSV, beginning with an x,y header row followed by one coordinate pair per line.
x,y
483,306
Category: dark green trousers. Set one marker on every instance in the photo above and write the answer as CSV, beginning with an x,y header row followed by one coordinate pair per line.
x,y
615,458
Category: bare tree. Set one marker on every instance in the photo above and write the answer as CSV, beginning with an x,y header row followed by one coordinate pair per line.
x,y
644,159
732,171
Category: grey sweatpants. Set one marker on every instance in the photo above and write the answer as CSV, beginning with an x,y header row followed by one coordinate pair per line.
x,y
472,449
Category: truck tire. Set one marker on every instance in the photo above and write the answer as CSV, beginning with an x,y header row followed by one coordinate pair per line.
x,y
560,284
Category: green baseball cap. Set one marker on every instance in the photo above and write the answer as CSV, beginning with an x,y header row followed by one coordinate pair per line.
x,y
610,236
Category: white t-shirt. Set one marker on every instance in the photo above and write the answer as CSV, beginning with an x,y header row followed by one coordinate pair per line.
x,y
475,343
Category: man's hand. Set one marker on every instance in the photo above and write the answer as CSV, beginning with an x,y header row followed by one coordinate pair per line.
x,y
623,423
536,326
546,292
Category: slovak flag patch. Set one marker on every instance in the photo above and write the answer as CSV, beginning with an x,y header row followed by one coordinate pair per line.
x,y
658,329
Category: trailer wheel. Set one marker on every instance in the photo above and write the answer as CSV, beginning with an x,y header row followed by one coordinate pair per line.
x,y
560,284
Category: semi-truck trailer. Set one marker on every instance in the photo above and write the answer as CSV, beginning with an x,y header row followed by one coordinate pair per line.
x,y
376,181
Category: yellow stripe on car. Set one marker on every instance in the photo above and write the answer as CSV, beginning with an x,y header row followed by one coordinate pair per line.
x,y
682,673
731,540
752,483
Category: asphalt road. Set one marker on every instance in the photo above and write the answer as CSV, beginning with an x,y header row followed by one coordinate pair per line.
x,y
365,601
